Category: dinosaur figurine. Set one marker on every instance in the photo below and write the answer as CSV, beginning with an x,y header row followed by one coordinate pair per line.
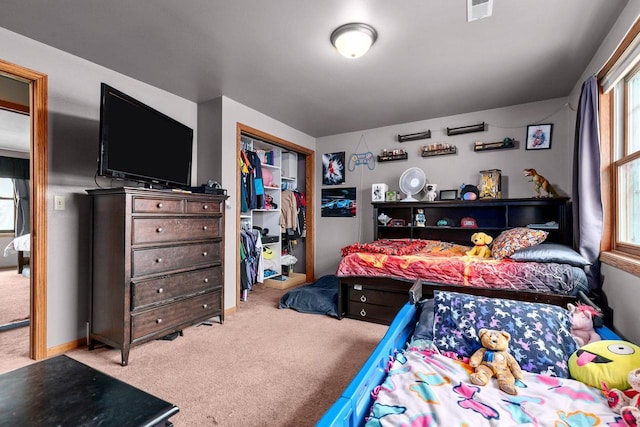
x,y
540,182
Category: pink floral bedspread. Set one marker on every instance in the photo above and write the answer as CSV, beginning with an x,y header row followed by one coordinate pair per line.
x,y
443,262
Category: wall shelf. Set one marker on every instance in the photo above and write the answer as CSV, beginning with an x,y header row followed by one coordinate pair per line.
x,y
439,152
499,145
414,136
393,157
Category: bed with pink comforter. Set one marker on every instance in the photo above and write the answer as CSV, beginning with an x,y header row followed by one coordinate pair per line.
x,y
446,263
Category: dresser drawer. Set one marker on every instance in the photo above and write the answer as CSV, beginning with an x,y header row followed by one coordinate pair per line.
x,y
159,260
175,314
174,286
372,312
155,230
157,205
198,207
370,296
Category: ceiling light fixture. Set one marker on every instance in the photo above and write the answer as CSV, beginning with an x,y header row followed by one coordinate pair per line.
x,y
353,40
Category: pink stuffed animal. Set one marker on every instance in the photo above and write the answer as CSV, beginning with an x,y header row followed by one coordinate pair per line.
x,y
582,323
627,403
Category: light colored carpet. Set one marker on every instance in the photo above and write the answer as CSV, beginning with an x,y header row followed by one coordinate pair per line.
x,y
14,304
263,367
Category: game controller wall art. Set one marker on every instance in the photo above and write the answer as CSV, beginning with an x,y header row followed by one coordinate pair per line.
x,y
333,168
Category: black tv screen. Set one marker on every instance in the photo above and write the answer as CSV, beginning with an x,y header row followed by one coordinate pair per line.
x,y
139,143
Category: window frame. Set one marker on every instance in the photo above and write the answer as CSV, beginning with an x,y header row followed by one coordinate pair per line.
x,y
613,252
12,230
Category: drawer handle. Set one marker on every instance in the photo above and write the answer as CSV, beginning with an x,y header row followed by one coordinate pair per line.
x,y
159,205
204,227
158,321
159,229
363,298
363,313
206,280
205,207
160,290
159,260
204,254
204,305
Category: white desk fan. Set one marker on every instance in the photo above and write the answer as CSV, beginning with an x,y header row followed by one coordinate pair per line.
x,y
412,182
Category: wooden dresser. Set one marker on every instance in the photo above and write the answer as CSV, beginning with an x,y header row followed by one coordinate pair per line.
x,y
157,264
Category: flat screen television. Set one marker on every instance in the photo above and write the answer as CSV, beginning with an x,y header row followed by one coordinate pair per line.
x,y
139,143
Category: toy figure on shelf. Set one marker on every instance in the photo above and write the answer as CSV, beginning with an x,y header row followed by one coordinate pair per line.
x,y
540,182
421,220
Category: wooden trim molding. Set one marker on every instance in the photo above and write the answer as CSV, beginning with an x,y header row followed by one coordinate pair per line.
x,y
621,261
12,106
38,95
309,193
624,44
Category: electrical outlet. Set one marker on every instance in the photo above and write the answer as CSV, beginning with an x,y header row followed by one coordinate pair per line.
x,y
58,203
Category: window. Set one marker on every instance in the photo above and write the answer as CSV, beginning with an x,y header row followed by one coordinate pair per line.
x,y
7,206
620,138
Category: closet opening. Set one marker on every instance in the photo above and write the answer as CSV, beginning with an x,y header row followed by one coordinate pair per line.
x,y
275,212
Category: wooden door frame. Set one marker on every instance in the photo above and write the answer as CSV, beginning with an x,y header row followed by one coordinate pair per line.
x,y
38,105
309,197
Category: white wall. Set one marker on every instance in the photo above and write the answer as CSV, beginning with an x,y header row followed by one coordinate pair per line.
x,y
74,109
233,113
447,171
620,287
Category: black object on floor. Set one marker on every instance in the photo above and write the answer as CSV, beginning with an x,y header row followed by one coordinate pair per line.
x,y
64,392
319,297
172,336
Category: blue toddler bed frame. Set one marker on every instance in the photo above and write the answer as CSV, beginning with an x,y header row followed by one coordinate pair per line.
x,y
354,404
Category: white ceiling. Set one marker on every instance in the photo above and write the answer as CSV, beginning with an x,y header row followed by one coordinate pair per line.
x,y
275,56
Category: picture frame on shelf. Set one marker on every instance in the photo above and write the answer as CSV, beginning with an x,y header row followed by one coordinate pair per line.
x,y
539,136
448,194
378,192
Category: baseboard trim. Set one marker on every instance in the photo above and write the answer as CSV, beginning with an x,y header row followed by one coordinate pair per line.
x,y
63,348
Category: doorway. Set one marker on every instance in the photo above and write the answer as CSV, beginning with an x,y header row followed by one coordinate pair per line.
x,y
307,158
38,89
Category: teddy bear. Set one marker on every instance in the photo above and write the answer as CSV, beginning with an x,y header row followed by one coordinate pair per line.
x,y
582,323
627,403
494,359
481,248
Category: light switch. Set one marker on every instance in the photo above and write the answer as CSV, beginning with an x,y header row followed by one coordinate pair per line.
x,y
58,203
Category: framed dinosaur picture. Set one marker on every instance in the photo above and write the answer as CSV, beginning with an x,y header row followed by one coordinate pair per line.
x,y
539,136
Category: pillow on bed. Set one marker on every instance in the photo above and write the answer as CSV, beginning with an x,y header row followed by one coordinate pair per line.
x,y
541,338
550,252
424,326
515,239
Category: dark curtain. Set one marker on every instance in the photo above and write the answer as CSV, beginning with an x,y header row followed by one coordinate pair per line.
x,y
11,167
23,225
587,199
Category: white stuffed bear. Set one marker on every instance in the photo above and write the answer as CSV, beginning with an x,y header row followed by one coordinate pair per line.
x,y
432,194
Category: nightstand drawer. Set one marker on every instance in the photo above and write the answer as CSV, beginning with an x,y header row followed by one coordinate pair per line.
x,y
370,296
372,312
155,230
159,260
174,286
157,205
170,316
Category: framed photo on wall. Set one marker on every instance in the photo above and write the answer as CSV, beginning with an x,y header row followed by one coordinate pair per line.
x,y
333,168
338,202
539,136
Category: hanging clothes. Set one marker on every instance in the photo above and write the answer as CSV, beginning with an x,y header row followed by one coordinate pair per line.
x,y
288,211
302,213
255,183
